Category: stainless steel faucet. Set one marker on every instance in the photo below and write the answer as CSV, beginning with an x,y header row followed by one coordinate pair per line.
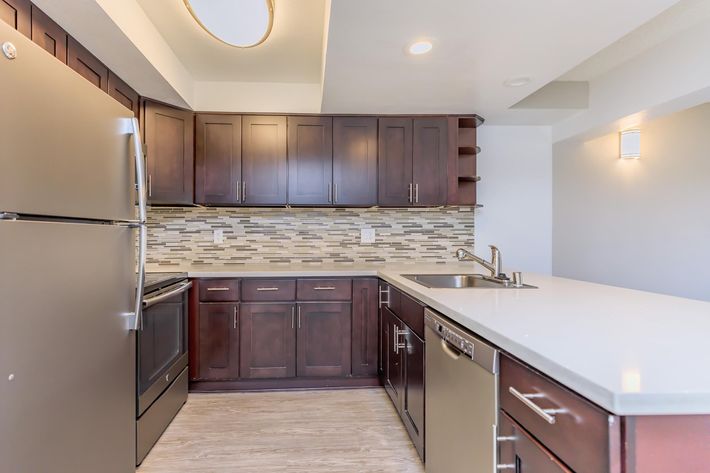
x,y
494,266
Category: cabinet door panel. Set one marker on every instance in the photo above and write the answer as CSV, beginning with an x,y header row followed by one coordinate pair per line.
x,y
525,454
268,341
323,339
355,160
392,364
310,160
169,149
218,159
430,161
123,93
219,341
264,161
49,35
87,65
17,13
413,395
395,166
365,327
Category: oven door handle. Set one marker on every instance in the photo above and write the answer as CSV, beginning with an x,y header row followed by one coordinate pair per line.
x,y
166,295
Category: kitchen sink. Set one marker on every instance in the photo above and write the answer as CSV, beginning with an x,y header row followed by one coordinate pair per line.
x,y
461,281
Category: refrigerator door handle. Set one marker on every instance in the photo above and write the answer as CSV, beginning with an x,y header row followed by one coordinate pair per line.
x,y
135,323
140,172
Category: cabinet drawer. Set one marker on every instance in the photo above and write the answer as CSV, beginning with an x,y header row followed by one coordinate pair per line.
x,y
411,312
267,290
581,434
325,289
219,290
520,452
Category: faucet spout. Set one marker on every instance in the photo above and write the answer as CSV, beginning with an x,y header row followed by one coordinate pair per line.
x,y
494,266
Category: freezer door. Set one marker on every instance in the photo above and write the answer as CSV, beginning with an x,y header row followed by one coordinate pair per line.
x,y
67,357
65,146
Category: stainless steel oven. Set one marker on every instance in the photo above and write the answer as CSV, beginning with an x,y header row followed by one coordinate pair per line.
x,y
162,357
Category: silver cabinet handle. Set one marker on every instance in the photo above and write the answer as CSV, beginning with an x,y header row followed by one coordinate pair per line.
x,y
324,288
167,295
244,191
235,317
260,289
218,289
239,195
335,193
416,193
150,185
299,316
383,292
292,316
411,190
330,192
546,414
395,345
507,466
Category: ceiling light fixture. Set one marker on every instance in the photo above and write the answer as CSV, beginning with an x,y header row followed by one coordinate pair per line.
x,y
239,23
420,47
517,82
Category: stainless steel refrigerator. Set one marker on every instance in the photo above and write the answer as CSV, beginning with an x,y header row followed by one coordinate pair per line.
x,y
71,172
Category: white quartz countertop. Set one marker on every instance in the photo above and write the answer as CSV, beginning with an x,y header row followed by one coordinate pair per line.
x,y
631,352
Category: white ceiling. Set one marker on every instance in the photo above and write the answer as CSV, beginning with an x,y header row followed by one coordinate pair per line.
x,y
292,53
478,44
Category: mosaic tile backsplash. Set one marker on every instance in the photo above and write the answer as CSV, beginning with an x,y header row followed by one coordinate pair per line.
x,y
306,236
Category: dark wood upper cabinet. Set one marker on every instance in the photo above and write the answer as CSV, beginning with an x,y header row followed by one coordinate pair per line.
x,y
87,65
365,327
395,162
49,35
218,159
123,93
323,339
219,341
264,160
430,155
310,160
169,151
355,161
18,14
268,340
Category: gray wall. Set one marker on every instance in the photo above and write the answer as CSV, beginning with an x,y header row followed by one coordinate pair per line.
x,y
642,224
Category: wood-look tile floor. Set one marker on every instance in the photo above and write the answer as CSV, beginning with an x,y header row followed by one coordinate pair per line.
x,y
338,431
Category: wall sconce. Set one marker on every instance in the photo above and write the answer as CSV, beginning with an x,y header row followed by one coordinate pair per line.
x,y
630,144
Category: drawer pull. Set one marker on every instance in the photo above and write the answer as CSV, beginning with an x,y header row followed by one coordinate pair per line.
x,y
508,466
546,414
218,289
324,288
261,289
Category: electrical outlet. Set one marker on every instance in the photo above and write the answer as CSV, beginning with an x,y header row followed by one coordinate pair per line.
x,y
367,235
218,236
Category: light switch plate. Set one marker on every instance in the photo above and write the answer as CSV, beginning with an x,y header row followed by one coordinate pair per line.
x,y
218,236
367,235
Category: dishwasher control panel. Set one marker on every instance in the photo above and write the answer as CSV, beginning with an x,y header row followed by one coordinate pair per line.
x,y
461,343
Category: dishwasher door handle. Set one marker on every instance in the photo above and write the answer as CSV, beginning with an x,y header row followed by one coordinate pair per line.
x,y
450,351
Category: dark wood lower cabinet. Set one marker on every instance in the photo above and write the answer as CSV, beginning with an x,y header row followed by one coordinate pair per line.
x,y
323,342
365,327
413,388
219,341
268,340
523,454
403,373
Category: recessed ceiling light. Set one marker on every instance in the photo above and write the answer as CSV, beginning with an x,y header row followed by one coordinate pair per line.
x,y
517,82
420,47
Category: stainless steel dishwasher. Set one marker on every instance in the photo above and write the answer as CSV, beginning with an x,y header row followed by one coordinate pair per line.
x,y
461,399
